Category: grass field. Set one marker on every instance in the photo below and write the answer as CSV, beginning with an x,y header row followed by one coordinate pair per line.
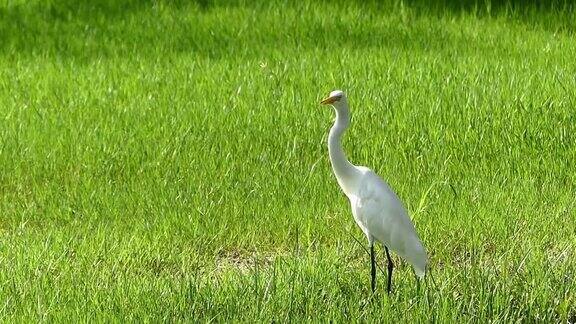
x,y
167,160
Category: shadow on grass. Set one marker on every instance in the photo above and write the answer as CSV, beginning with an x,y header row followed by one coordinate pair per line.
x,y
85,29
556,16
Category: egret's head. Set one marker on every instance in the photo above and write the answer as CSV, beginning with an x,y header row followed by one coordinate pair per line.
x,y
336,98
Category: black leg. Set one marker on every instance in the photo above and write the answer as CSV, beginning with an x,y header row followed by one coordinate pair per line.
x,y
373,268
390,268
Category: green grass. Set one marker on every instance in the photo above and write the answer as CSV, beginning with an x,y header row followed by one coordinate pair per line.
x,y
167,161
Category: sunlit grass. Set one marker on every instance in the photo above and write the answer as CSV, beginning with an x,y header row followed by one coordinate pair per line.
x,y
168,161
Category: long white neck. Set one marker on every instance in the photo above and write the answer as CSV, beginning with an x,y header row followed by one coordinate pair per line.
x,y
344,170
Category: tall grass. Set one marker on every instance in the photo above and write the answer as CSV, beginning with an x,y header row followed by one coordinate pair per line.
x,y
167,161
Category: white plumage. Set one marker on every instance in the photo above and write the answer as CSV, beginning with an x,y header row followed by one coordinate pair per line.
x,y
376,208
380,214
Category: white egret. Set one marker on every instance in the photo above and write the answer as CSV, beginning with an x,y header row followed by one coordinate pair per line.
x,y
375,207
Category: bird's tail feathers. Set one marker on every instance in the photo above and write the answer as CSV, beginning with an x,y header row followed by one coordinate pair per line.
x,y
420,272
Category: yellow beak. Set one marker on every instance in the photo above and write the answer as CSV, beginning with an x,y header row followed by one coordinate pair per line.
x,y
328,100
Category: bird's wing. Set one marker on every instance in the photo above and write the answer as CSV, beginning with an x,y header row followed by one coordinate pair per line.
x,y
385,218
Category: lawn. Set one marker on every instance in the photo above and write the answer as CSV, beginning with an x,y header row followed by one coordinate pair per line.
x,y
167,160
